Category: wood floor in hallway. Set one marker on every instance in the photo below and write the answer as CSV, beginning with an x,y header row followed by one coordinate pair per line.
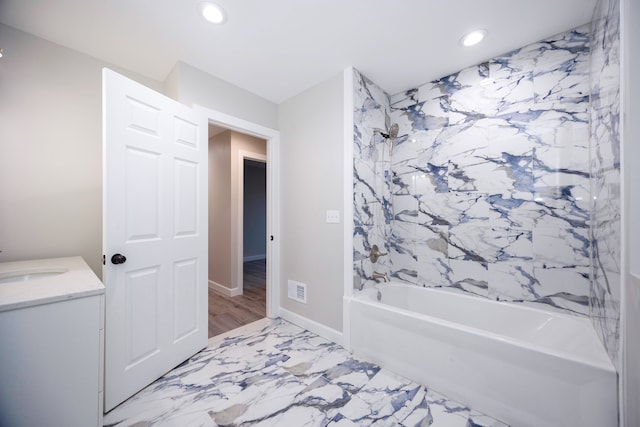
x,y
227,313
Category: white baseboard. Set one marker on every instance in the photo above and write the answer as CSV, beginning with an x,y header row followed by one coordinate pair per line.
x,y
223,290
313,326
254,257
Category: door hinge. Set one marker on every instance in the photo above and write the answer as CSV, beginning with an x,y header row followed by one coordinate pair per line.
x,y
103,260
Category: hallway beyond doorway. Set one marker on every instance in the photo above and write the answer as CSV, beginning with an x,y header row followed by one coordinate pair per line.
x,y
227,313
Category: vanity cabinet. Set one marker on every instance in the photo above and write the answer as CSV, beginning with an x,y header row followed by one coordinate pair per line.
x,y
51,358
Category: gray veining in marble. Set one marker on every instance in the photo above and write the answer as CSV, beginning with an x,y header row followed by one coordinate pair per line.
x,y
272,373
605,169
487,189
504,180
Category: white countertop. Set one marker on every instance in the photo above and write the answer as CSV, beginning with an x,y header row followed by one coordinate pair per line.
x,y
77,281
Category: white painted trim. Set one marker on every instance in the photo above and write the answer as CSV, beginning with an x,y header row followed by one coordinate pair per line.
x,y
254,257
313,326
242,155
348,201
223,290
346,323
629,348
272,137
623,395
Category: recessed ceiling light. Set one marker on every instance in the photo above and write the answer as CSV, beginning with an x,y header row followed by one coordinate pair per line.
x,y
213,13
473,37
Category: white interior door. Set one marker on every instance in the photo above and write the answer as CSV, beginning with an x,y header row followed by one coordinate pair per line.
x,y
154,235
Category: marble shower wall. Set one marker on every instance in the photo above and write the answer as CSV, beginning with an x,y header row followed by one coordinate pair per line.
x,y
605,168
373,210
488,188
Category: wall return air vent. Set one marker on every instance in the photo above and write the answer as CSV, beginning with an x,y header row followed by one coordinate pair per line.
x,y
297,291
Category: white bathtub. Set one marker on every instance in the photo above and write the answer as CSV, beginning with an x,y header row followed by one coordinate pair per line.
x,y
524,366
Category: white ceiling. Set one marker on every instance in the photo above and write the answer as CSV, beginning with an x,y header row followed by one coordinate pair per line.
x,y
277,49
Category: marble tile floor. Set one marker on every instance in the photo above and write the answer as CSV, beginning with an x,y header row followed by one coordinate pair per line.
x,y
273,373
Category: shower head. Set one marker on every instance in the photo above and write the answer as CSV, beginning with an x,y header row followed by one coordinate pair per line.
x,y
391,133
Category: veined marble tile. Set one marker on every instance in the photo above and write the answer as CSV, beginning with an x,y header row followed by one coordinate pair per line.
x,y
469,276
432,255
565,190
605,168
415,156
470,207
508,211
406,209
510,175
562,67
370,102
430,91
447,413
495,151
504,137
425,115
558,247
482,243
402,256
488,90
560,170
559,207
467,95
607,247
272,373
557,127
384,400
564,287
361,243
470,242
404,99
466,144
424,180
561,165
511,94
436,111
516,62
480,420
605,311
417,151
513,282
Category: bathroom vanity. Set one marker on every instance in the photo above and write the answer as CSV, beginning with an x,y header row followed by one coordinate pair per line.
x,y
51,340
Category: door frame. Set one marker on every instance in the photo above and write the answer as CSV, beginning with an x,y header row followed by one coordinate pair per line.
x,y
272,137
242,156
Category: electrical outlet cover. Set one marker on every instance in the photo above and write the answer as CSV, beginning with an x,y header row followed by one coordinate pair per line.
x,y
333,217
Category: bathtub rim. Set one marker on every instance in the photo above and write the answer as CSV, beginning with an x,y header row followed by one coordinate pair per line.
x,y
366,296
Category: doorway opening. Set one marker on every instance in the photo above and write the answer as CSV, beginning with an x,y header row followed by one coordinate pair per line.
x,y
237,229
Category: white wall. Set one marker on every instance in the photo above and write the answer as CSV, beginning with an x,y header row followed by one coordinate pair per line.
x,y
51,142
51,162
220,209
50,150
192,86
311,126
630,384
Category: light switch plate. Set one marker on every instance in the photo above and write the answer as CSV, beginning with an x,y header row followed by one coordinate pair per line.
x,y
333,217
